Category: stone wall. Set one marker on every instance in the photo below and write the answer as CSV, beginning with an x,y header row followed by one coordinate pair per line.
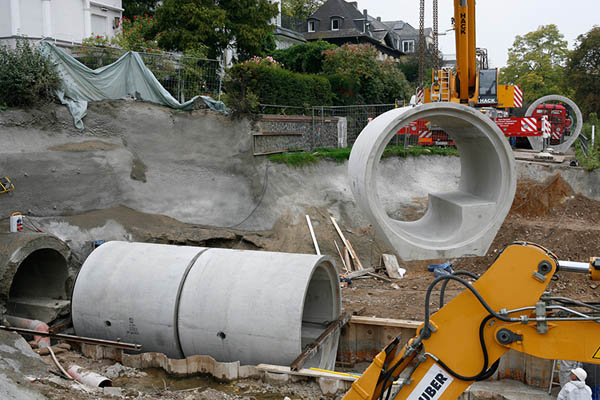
x,y
279,133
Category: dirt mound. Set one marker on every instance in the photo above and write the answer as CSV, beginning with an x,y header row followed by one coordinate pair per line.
x,y
533,199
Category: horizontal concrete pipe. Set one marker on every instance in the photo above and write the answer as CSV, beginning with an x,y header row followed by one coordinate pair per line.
x,y
459,223
234,305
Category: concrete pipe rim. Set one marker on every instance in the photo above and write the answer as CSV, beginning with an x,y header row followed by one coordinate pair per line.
x,y
327,265
388,128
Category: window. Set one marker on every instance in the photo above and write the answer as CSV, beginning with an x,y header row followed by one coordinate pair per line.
x,y
311,26
335,24
408,46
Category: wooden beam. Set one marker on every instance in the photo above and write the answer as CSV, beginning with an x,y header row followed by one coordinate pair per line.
x,y
356,274
314,347
304,372
347,258
347,244
398,323
341,256
312,235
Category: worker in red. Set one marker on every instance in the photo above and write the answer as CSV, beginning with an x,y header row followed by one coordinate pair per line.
x,y
576,389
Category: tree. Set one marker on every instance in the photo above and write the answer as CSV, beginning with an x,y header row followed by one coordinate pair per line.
x,y
244,24
375,81
536,63
300,9
583,71
306,57
133,8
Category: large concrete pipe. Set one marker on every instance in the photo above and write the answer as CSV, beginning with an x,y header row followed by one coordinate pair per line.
x,y
537,142
459,223
234,305
34,275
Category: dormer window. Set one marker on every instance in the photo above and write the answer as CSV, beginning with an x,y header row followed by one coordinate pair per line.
x,y
408,46
311,26
336,23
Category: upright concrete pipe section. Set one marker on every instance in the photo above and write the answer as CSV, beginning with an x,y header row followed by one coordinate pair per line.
x,y
234,305
537,142
459,223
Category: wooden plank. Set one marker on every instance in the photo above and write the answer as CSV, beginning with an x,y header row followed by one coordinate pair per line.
x,y
267,153
312,235
304,372
347,258
374,275
356,274
314,347
278,134
347,244
341,257
400,323
390,262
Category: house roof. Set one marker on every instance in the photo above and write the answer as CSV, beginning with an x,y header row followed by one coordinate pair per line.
x,y
281,31
404,29
377,32
338,8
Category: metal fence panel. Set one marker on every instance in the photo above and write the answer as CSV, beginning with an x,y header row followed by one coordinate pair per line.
x,y
183,76
357,116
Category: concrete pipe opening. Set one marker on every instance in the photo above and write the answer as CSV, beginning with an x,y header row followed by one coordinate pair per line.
x,y
248,306
37,270
462,222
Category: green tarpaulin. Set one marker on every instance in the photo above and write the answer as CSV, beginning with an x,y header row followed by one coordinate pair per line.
x,y
126,77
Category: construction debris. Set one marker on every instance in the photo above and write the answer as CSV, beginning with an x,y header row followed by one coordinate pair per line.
x,y
390,262
312,235
347,244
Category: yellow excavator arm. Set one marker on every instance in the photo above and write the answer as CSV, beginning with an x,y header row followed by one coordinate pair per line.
x,y
504,309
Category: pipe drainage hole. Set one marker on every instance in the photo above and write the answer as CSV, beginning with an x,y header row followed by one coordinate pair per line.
x,y
107,323
222,335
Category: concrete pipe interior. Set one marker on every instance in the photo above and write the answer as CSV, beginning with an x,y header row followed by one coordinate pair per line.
x,y
37,270
459,222
320,307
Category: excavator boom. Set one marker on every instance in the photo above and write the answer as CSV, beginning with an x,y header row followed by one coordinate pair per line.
x,y
462,342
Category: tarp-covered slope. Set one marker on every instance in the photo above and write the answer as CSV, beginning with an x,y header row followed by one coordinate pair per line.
x,y
128,76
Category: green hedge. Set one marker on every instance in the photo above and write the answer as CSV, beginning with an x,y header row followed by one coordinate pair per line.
x,y
26,76
250,83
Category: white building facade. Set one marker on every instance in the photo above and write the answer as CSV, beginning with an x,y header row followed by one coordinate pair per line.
x,y
66,22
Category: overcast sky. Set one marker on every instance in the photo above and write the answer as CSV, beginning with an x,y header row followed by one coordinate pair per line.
x,y
498,21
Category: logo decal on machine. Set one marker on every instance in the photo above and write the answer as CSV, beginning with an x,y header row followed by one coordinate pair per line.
x,y
597,354
433,385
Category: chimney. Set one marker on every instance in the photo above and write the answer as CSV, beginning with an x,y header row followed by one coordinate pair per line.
x,y
355,4
365,14
379,19
366,20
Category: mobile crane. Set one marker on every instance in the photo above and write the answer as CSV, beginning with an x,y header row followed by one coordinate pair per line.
x,y
506,308
473,83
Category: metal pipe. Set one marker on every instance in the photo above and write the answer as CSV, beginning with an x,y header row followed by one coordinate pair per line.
x,y
38,328
88,378
73,338
573,266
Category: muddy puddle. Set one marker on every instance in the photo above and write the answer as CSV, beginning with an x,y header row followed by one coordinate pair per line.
x,y
158,380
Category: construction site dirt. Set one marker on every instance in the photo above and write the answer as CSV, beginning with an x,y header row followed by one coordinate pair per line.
x,y
546,213
102,186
